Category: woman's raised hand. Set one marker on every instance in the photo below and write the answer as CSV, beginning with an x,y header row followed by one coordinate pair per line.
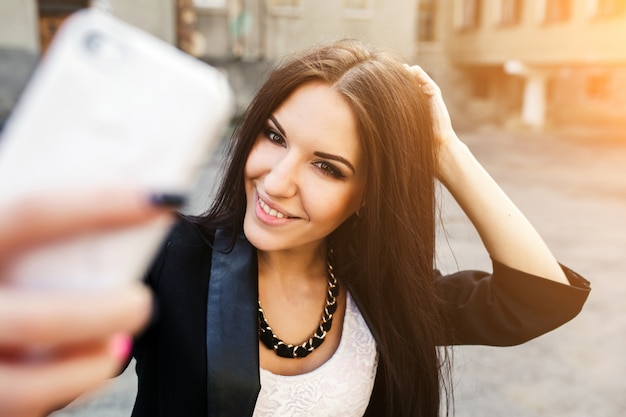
x,y
55,345
442,124
506,233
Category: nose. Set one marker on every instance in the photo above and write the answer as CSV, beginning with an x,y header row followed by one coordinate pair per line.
x,y
281,180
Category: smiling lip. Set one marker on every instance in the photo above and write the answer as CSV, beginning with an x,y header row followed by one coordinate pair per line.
x,y
270,215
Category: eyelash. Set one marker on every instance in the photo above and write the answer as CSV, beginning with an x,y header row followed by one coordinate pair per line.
x,y
273,136
325,167
329,169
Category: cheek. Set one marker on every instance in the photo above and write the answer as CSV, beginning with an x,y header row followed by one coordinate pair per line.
x,y
333,206
253,166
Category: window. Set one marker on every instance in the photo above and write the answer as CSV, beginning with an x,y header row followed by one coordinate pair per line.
x,y
480,85
60,7
598,87
606,8
52,13
467,14
427,16
557,10
507,12
551,11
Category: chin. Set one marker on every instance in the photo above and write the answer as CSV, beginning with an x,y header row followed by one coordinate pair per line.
x,y
259,238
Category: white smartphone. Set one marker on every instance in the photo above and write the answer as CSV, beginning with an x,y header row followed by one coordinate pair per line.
x,y
109,104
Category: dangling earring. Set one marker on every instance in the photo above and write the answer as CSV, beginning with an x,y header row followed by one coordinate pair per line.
x,y
358,212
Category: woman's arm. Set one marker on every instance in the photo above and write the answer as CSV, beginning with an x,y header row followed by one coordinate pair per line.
x,y
56,345
506,233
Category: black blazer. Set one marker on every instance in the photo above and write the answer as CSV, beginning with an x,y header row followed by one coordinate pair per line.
x,y
199,357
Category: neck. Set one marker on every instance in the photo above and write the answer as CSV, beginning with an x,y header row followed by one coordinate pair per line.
x,y
289,265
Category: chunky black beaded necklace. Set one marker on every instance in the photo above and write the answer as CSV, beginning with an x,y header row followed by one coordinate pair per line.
x,y
284,350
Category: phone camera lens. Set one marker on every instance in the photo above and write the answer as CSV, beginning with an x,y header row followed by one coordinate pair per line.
x,y
103,48
94,42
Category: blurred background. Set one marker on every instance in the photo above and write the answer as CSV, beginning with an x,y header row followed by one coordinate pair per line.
x,y
505,62
537,88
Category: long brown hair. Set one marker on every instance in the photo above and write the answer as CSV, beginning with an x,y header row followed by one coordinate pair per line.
x,y
386,255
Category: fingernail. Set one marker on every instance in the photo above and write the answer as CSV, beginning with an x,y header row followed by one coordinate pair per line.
x,y
121,346
167,200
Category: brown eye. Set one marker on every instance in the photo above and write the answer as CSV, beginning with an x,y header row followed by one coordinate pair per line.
x,y
329,169
274,136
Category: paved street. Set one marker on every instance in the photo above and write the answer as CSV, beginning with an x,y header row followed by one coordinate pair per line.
x,y
572,186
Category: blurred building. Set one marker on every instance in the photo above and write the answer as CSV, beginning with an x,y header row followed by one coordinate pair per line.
x,y
530,62
536,62
244,37
270,29
247,37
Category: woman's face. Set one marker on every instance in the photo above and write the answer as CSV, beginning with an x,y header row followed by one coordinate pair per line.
x,y
305,174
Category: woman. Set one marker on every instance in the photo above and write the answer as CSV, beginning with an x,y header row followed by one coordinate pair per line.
x,y
308,287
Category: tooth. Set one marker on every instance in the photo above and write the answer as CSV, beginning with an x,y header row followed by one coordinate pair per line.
x,y
272,212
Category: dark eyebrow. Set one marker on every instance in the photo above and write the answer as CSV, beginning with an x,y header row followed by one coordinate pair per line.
x,y
317,153
278,126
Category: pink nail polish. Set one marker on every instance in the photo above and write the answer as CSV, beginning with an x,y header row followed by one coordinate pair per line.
x,y
121,346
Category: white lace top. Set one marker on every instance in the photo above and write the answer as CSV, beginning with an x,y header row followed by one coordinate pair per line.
x,y
340,387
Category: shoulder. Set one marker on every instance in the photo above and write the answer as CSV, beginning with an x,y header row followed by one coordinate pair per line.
x,y
188,239
186,248
188,233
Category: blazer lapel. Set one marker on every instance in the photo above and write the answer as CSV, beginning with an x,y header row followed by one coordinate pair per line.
x,y
232,336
